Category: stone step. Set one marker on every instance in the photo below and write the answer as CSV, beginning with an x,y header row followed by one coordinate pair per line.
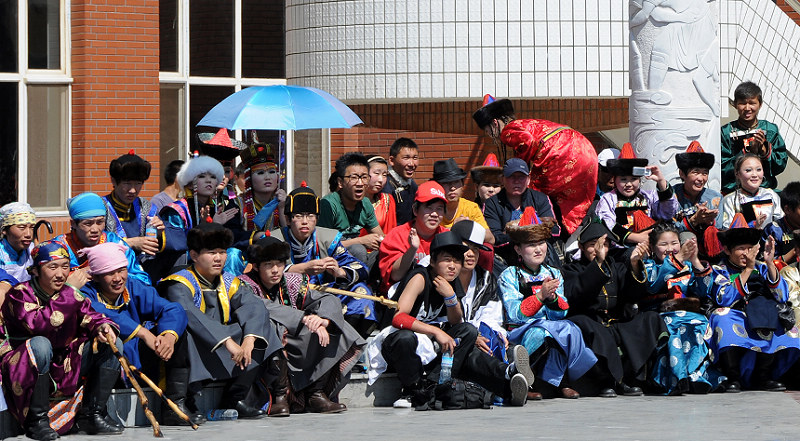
x,y
380,394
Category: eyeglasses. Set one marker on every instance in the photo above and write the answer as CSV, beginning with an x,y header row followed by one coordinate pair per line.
x,y
355,178
301,216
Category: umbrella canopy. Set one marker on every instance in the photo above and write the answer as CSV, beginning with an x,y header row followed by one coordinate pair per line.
x,y
280,108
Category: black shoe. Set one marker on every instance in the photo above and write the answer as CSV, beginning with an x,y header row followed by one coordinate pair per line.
x,y
519,389
90,418
773,386
172,419
732,387
607,393
37,424
629,391
248,412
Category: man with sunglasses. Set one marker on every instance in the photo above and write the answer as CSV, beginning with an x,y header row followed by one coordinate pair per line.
x,y
87,212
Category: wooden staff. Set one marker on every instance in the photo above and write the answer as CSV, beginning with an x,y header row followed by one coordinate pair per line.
x,y
142,397
160,393
383,300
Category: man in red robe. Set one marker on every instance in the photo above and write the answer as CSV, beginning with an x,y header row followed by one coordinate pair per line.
x,y
563,163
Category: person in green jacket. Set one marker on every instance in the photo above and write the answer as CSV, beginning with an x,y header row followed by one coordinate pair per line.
x,y
749,134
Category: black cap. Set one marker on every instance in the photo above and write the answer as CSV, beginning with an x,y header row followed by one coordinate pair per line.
x,y
450,240
472,232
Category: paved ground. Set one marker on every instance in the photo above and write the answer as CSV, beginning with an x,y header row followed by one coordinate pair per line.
x,y
747,416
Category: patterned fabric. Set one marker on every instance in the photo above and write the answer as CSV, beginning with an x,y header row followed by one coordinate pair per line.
x,y
15,264
71,242
618,213
563,164
768,201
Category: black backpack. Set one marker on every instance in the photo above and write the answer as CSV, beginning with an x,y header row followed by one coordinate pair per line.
x,y
457,394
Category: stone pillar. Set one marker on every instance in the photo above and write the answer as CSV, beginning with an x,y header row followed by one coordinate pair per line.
x,y
674,80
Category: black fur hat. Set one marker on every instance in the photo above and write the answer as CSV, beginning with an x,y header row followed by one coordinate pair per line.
x,y
267,248
302,200
492,109
129,167
209,236
694,157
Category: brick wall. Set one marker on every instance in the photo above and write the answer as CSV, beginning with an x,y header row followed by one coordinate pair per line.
x,y
115,93
789,10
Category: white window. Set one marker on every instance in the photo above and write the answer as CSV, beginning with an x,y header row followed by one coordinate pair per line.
x,y
35,88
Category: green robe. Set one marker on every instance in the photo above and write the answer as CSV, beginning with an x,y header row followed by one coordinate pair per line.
x,y
774,164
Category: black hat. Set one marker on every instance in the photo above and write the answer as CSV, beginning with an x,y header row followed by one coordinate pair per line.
x,y
739,233
694,157
129,167
472,232
594,230
624,164
209,236
447,171
302,200
267,248
492,109
449,240
219,146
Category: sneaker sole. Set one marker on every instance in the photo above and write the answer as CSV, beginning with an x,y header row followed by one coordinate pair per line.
x,y
522,363
519,390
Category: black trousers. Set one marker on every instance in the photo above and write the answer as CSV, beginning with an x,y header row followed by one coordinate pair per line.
x,y
469,363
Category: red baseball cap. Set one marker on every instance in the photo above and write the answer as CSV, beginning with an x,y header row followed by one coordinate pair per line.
x,y
429,191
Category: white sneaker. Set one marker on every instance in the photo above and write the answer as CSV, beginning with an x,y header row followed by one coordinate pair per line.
x,y
402,403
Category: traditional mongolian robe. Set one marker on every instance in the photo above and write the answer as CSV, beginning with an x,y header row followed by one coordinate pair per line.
x,y
66,319
288,303
602,303
729,321
531,323
774,163
140,305
618,214
385,213
764,201
563,164
684,363
71,242
15,264
129,220
217,311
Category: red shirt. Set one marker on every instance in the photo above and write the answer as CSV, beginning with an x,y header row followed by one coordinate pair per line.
x,y
395,244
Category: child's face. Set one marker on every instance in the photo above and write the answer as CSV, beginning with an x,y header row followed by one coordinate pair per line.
x,y
748,109
667,244
627,186
487,190
750,174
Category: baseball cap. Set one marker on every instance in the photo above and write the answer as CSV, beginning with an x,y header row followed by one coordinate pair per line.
x,y
514,165
472,232
429,191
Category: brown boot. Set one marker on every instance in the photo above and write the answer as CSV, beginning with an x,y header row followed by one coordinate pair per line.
x,y
318,402
280,389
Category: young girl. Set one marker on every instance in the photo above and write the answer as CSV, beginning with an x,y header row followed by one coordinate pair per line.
x,y
383,203
758,204
535,306
671,272
628,210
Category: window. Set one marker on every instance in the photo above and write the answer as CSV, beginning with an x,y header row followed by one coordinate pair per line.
x,y
35,104
210,49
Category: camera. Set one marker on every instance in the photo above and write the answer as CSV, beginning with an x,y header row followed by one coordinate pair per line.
x,y
642,171
744,137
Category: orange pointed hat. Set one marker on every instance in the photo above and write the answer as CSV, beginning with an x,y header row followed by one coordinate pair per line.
x,y
529,228
739,233
694,157
489,172
492,109
623,165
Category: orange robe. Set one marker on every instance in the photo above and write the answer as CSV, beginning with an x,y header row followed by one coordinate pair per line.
x,y
563,164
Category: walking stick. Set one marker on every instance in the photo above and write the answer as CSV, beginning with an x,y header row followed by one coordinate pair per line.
x,y
160,393
142,398
382,300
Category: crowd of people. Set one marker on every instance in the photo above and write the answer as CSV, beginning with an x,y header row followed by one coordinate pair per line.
x,y
565,276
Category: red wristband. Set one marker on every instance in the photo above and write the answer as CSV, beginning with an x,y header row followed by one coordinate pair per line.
x,y
402,320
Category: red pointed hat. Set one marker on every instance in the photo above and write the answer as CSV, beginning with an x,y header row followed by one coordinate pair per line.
x,y
529,228
219,145
492,109
694,157
489,172
739,233
623,165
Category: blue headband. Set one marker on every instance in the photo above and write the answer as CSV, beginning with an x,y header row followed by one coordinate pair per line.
x,y
86,206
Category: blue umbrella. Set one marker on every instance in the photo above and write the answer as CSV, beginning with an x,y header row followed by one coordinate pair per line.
x,y
280,108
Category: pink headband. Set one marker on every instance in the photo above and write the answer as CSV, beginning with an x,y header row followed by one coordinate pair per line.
x,y
105,257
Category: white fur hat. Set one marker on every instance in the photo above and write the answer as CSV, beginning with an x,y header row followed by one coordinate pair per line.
x,y
196,166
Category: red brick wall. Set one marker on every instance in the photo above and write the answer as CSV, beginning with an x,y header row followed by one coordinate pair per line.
x,y
790,11
115,93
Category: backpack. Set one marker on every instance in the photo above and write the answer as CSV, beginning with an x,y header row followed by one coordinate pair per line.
x,y
457,394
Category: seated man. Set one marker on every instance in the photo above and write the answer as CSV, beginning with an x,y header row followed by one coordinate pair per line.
x,y
129,215
318,253
698,206
88,220
428,309
138,311
409,244
319,344
50,328
229,333
347,211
